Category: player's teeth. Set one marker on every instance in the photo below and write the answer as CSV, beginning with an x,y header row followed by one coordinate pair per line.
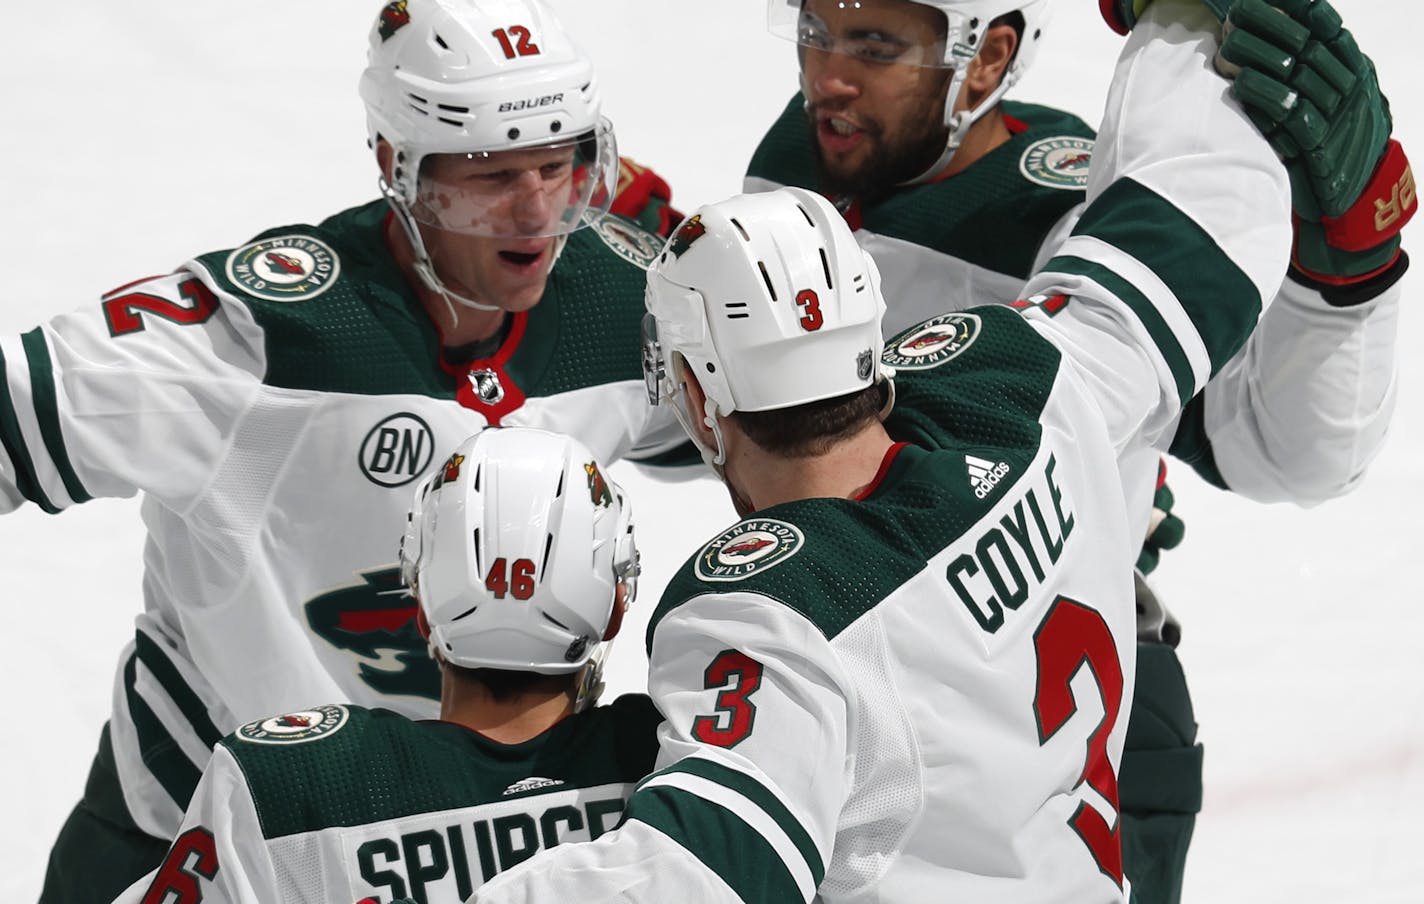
x,y
841,127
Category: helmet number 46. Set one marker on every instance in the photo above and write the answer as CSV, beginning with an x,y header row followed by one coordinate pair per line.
x,y
520,46
519,582
810,305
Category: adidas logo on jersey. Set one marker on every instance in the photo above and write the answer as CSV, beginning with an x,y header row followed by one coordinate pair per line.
x,y
984,475
530,784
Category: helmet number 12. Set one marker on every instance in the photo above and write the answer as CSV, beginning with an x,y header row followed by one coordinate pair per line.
x,y
520,46
810,305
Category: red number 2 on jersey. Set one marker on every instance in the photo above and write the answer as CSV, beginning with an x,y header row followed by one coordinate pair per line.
x,y
1070,636
122,311
193,856
736,713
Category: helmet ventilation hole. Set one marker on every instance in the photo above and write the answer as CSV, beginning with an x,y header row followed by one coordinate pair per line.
x,y
826,268
548,545
740,315
745,237
441,41
766,277
809,222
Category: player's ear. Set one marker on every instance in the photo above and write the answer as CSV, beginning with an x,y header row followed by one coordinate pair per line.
x,y
385,158
989,66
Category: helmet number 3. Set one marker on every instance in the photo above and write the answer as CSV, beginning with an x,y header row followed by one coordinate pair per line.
x,y
517,580
810,306
515,42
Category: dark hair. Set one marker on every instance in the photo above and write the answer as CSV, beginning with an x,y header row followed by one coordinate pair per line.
x,y
507,686
807,430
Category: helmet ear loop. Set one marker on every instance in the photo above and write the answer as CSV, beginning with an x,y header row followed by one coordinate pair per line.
x,y
960,123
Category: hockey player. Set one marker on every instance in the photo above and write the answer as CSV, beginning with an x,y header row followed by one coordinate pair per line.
x,y
521,556
959,195
902,676
275,402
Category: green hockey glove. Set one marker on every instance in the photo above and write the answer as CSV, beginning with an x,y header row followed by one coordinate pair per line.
x,y
1305,84
1165,530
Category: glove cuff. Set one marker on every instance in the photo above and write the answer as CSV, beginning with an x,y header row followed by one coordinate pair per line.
x,y
1386,204
1341,292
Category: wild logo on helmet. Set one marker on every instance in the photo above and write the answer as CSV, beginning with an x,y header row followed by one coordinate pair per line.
x,y
393,18
690,231
597,486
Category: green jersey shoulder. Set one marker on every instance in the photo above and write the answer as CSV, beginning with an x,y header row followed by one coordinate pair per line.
x,y
993,214
338,315
345,765
967,421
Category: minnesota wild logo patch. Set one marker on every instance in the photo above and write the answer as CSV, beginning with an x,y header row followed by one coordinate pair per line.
x,y
1060,162
286,268
932,343
297,727
748,548
631,242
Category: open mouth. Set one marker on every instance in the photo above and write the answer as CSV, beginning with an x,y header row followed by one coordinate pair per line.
x,y
521,259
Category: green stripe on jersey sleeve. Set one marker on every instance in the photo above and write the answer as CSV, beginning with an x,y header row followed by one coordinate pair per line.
x,y
746,836
1215,294
15,447
1146,311
47,412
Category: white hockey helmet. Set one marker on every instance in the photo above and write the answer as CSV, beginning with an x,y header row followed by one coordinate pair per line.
x,y
966,21
476,77
771,303
514,549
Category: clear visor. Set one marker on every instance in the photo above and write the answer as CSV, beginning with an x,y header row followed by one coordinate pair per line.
x,y
548,190
877,33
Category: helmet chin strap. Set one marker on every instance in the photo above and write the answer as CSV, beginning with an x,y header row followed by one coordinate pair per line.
x,y
959,125
425,268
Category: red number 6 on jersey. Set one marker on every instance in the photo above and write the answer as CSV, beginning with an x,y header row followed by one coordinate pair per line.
x,y
193,856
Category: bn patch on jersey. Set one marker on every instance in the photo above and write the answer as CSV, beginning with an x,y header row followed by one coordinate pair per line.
x,y
931,343
294,728
1060,162
747,548
285,268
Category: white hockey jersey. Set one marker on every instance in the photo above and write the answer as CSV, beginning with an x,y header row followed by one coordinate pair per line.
x,y
275,404
918,694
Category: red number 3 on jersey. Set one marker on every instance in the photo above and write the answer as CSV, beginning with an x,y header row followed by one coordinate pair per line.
x,y
1072,636
741,676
